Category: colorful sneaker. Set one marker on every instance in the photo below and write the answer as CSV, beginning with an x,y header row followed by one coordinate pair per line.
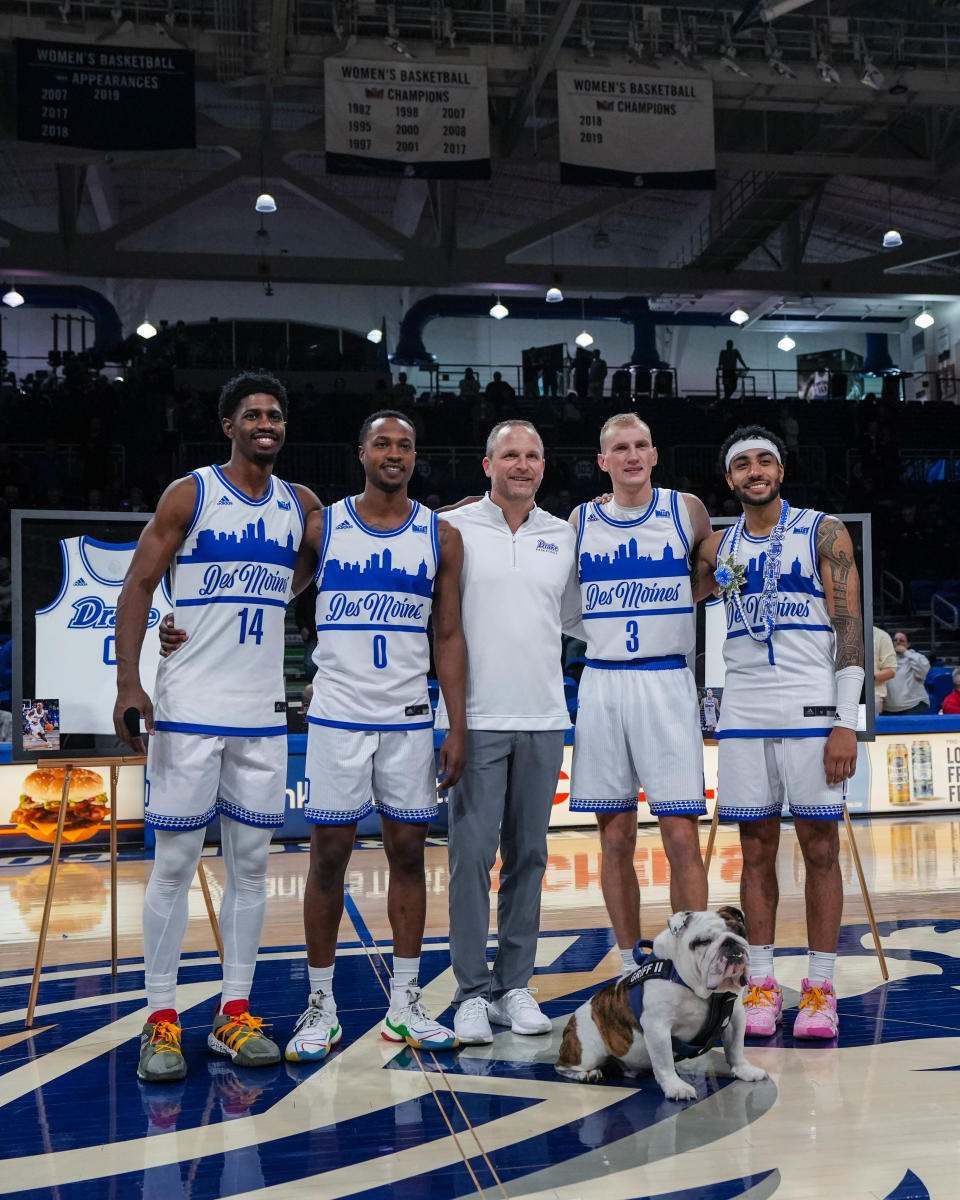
x,y
763,1001
817,1017
518,1009
237,1087
471,1024
316,1030
237,1035
161,1060
409,1022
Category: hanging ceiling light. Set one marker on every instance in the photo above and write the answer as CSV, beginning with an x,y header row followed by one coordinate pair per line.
x,y
923,320
554,295
12,297
738,316
584,339
375,336
892,239
265,203
146,330
786,342
499,310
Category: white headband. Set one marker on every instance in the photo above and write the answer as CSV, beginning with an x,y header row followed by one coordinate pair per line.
x,y
746,444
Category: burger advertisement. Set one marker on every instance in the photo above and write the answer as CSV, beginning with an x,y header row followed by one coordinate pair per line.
x,y
30,806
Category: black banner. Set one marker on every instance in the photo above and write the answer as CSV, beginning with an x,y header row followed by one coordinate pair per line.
x,y
99,97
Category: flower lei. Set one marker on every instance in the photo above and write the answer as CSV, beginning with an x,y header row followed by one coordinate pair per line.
x,y
771,577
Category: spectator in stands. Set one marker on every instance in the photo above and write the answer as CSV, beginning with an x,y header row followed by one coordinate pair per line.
x,y
951,701
884,665
403,393
596,376
469,384
500,394
906,695
728,364
581,372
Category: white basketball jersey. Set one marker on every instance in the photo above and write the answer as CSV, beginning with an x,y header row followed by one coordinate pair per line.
x,y
76,653
375,592
795,695
231,582
635,581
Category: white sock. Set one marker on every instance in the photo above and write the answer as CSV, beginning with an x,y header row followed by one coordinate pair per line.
x,y
405,971
761,961
321,979
628,964
821,966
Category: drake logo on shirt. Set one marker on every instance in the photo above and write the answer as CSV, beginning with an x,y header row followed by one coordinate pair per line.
x,y
284,504
548,547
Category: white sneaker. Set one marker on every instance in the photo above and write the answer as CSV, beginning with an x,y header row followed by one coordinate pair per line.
x,y
408,1021
471,1024
316,1030
518,1009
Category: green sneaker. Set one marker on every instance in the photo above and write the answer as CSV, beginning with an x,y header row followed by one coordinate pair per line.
x,y
238,1036
161,1060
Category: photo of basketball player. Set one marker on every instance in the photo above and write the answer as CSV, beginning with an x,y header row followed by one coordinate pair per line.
x,y
709,709
41,725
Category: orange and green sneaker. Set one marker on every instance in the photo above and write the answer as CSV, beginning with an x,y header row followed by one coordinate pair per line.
x,y
238,1035
161,1059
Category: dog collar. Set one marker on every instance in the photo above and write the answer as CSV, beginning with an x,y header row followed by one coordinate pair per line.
x,y
651,967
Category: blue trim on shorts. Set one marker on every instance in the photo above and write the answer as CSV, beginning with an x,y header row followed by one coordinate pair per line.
x,y
411,816
735,813
662,662
678,808
159,821
219,730
262,820
595,806
771,733
821,812
368,728
327,816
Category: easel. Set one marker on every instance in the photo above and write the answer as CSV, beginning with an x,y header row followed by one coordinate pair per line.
x,y
114,763
848,824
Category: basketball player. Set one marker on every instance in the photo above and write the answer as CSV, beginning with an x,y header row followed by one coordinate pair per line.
x,y
709,707
638,719
794,671
229,536
34,719
384,562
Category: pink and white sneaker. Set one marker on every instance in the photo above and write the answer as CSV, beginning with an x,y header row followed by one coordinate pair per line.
x,y
763,1002
817,1017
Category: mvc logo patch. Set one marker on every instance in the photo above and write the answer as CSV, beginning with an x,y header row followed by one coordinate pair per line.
x,y
284,504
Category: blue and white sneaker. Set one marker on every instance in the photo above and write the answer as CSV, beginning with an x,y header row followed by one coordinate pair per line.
x,y
316,1030
409,1022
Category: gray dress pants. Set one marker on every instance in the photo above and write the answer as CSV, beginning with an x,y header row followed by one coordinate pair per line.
x,y
504,797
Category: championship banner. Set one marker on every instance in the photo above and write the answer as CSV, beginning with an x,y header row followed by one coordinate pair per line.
x,y
636,131
105,97
421,121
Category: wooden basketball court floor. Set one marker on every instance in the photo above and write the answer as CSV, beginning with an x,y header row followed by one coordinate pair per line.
x,y
875,1117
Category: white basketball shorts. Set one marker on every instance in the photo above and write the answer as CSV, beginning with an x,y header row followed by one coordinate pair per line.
x,y
757,774
194,777
349,771
636,729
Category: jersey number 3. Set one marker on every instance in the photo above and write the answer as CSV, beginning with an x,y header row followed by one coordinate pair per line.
x,y
633,638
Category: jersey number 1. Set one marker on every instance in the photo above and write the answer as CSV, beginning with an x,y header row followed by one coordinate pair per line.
x,y
254,629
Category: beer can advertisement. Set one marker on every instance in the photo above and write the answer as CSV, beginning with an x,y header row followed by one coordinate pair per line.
x,y
911,772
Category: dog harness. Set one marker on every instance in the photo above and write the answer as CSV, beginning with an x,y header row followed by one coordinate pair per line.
x,y
718,1014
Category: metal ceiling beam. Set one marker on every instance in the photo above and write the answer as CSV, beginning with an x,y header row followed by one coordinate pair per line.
x,y
544,63
531,235
165,208
316,193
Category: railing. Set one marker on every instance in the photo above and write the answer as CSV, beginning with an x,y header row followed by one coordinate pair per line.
x,y
892,590
947,618
634,382
930,466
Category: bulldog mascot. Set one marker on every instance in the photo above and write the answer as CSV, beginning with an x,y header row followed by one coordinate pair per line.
x,y
682,997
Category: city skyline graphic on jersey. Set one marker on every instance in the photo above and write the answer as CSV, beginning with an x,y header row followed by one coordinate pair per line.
x,y
251,545
376,574
795,581
627,563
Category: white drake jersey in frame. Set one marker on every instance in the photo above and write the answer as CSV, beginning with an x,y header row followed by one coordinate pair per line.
x,y
374,596
232,581
76,654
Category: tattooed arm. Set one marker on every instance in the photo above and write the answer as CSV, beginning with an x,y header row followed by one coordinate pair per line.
x,y
841,585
